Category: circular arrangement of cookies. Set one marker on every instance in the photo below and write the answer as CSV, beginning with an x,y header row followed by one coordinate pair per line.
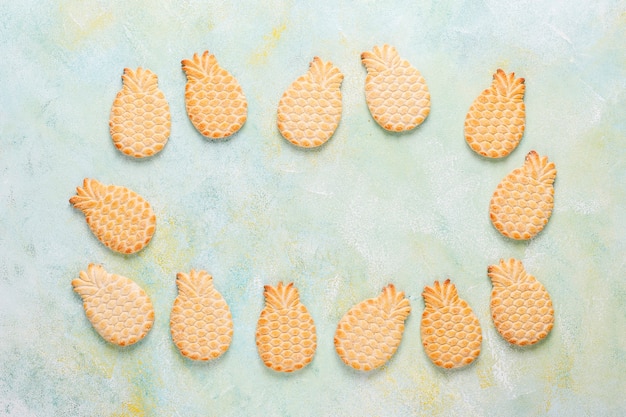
x,y
308,113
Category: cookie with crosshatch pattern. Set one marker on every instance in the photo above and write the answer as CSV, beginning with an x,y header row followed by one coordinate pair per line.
x,y
140,115
215,102
396,92
523,201
200,322
496,120
310,109
119,217
451,333
286,339
521,307
369,334
117,307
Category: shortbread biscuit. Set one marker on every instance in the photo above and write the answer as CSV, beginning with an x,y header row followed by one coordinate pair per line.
x,y
522,202
369,334
117,307
120,218
396,92
200,322
495,122
140,116
216,104
451,333
285,335
310,109
521,307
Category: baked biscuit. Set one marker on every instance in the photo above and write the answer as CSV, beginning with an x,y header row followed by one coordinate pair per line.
x,y
215,102
200,322
285,336
140,116
451,333
522,203
369,334
495,122
120,218
118,308
521,307
396,92
310,109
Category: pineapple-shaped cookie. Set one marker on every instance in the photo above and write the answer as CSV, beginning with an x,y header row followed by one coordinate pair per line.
x,y
120,218
118,308
214,99
310,109
369,334
396,92
201,323
522,202
451,333
521,307
140,116
285,335
495,122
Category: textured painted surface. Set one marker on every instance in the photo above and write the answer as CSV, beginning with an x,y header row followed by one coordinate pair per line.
x,y
365,209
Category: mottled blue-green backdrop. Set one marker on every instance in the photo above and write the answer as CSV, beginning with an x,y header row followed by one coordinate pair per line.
x,y
341,221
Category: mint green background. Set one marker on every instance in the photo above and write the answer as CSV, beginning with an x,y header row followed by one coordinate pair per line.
x,y
341,221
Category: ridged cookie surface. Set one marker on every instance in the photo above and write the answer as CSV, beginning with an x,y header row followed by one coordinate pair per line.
x,y
215,102
521,307
369,334
451,333
140,116
120,218
522,203
310,109
396,92
117,307
285,336
495,122
200,322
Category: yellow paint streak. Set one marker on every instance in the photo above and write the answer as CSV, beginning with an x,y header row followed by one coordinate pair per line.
x,y
557,378
81,19
169,243
430,402
140,402
485,378
484,371
558,373
504,64
269,44
130,409
430,398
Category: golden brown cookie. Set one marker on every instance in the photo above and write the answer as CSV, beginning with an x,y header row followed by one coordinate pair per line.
x,y
140,116
369,334
285,335
214,99
522,202
120,218
395,91
200,322
521,307
310,109
495,122
118,308
451,333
